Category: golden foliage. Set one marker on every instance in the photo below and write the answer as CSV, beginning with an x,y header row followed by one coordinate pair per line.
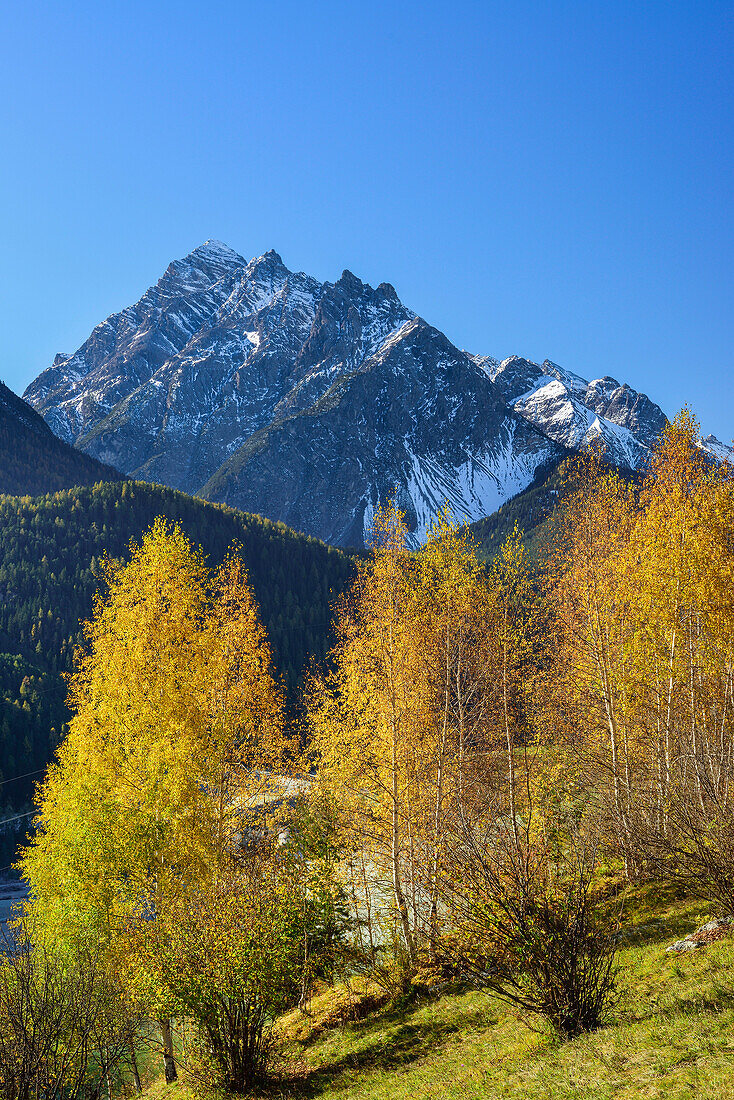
x,y
176,735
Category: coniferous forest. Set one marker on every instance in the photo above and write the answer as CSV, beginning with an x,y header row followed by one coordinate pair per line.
x,y
51,554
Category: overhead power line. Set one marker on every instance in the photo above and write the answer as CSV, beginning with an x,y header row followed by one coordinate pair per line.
x,y
25,776
18,817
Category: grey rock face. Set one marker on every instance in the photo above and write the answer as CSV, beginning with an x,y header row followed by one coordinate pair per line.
x,y
576,413
417,419
312,402
722,452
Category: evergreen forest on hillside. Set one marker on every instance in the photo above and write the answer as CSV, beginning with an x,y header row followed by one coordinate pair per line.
x,y
51,550
531,512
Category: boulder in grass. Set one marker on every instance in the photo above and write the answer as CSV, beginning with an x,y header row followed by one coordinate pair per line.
x,y
715,929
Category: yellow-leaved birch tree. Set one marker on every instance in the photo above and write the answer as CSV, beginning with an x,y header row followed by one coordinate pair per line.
x,y
365,717
177,729
402,720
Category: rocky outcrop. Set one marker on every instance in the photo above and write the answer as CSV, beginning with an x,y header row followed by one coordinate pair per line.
x,y
716,929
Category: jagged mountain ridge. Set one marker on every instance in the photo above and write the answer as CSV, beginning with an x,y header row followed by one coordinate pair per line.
x,y
311,402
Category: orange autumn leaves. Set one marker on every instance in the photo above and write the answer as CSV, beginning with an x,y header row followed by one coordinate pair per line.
x,y
598,686
641,604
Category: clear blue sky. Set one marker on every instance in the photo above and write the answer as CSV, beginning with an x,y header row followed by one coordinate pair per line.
x,y
548,179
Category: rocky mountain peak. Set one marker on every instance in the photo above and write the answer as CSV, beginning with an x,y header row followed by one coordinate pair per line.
x,y
213,251
351,284
205,265
312,402
270,261
722,452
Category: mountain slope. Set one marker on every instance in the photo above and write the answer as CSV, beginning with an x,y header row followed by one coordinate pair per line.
x,y
527,512
33,460
447,438
312,402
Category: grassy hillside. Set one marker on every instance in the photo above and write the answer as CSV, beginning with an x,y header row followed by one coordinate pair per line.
x,y
671,1038
50,548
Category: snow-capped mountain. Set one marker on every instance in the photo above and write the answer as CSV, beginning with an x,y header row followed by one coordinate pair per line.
x,y
577,413
311,402
718,450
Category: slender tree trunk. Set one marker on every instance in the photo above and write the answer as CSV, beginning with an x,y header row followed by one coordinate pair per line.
x,y
395,846
508,734
671,683
433,919
368,905
725,752
397,884
134,1065
462,733
169,1062
695,746
601,645
659,746
669,707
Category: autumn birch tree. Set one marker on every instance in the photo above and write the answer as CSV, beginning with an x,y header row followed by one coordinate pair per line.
x,y
584,689
402,720
680,569
176,721
364,716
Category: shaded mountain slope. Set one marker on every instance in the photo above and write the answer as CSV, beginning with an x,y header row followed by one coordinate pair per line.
x,y
33,460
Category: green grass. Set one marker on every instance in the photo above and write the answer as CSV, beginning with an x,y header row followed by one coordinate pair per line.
x,y
671,1035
